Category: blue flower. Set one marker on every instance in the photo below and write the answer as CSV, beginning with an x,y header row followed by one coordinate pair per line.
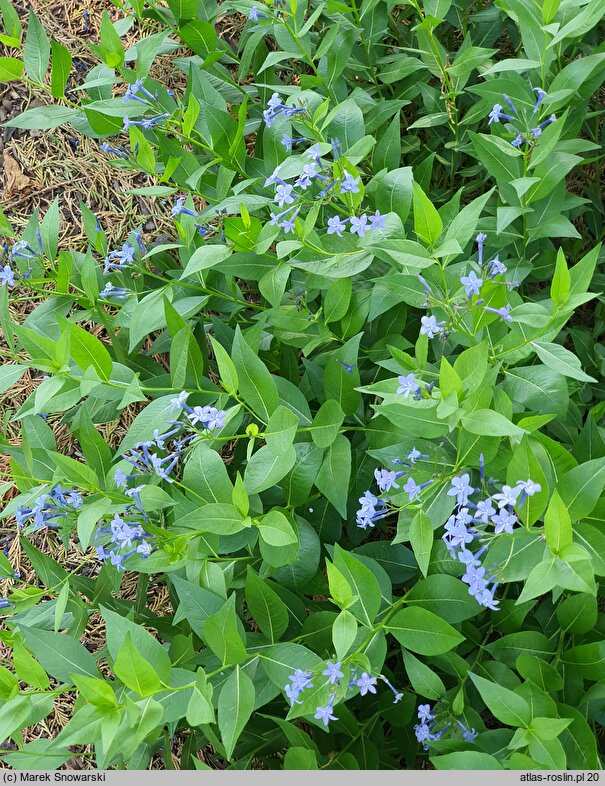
x,y
314,153
5,604
107,148
255,14
273,178
180,401
471,283
275,108
325,713
119,260
387,479
504,521
209,417
286,140
116,292
407,385
301,679
414,455
518,140
292,694
509,102
333,672
529,487
540,96
180,209
336,151
7,276
397,694
359,225
497,114
349,184
497,268
336,225
366,684
288,224
430,327
469,735
370,511
425,713
481,237
377,221
485,509
283,194
412,489
461,489
308,174
503,312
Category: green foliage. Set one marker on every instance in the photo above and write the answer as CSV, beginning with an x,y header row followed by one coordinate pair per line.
x,y
367,468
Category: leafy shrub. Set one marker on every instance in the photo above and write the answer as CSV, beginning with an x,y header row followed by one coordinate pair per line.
x,y
367,466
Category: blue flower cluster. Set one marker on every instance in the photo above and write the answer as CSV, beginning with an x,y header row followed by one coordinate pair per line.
x,y
461,529
127,538
532,130
145,457
425,728
9,277
180,209
373,508
120,260
48,508
137,92
286,196
275,107
472,283
301,680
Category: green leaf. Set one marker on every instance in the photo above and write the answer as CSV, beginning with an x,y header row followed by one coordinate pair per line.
x,y
10,373
557,525
43,117
36,53
392,191
363,583
205,257
235,705
256,385
421,540
423,679
265,469
222,632
560,360
268,610
87,350
200,709
60,69
488,423
423,632
220,518
466,760
344,633
281,430
334,474
24,710
326,423
134,671
276,530
111,48
11,69
61,655
337,299
427,221
506,706
581,487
